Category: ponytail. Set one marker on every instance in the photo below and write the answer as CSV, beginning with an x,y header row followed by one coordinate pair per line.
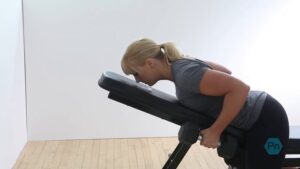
x,y
171,52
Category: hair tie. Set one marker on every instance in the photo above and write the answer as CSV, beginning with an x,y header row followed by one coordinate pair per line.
x,y
162,49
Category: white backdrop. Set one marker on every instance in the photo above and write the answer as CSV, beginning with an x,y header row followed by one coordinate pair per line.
x,y
69,43
13,131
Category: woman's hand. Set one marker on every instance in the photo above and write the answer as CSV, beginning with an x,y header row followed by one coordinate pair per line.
x,y
210,138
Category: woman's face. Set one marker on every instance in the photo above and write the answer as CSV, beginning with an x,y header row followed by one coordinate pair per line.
x,y
148,72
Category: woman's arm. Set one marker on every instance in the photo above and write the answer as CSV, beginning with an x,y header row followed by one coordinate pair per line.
x,y
235,92
218,67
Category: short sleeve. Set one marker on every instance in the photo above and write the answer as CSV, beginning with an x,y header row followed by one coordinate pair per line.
x,y
188,74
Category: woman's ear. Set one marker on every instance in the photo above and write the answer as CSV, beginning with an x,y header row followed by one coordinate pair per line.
x,y
150,62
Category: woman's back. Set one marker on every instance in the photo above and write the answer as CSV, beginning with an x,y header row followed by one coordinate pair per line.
x,y
187,74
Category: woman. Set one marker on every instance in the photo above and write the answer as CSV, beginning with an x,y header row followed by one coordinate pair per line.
x,y
209,88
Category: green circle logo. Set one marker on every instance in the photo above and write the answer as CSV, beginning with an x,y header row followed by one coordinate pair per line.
x,y
273,146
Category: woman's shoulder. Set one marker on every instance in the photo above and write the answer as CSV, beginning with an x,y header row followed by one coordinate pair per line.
x,y
187,73
188,65
189,62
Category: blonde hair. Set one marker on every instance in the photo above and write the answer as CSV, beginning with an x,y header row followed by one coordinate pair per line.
x,y
140,50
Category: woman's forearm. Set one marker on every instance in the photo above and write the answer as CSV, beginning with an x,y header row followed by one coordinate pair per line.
x,y
232,104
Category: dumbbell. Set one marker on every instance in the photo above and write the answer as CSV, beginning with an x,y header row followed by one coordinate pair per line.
x,y
229,146
189,134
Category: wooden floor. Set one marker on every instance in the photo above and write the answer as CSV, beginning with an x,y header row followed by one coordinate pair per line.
x,y
145,153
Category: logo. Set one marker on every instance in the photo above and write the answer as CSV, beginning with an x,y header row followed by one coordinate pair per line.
x,y
273,146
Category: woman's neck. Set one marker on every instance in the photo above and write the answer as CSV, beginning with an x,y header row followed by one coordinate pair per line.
x,y
166,72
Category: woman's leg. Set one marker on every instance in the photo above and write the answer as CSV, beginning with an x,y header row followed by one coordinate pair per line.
x,y
272,124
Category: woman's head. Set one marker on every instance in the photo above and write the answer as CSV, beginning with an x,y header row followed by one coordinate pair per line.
x,y
149,61
145,51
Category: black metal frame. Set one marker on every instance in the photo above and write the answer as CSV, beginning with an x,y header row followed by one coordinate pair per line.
x,y
176,156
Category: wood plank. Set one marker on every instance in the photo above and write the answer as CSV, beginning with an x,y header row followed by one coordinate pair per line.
x,y
102,162
132,156
153,154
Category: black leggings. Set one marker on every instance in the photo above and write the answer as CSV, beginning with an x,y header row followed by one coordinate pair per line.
x,y
272,123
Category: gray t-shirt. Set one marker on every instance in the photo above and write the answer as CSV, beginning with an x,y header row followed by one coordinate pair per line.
x,y
187,74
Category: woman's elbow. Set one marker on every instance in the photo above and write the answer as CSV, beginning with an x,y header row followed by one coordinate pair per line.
x,y
242,89
246,89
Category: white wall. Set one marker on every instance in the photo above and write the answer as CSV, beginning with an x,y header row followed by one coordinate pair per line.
x,y
276,51
13,134
69,43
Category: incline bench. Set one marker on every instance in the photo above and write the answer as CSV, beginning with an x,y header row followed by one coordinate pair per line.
x,y
167,107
